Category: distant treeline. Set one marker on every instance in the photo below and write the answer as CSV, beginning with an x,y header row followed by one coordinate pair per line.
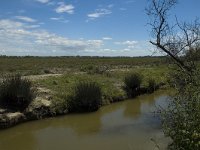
x,y
5,56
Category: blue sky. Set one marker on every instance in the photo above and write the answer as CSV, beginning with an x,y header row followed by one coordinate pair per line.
x,y
80,27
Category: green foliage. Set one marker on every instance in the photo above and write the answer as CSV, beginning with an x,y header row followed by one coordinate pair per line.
x,y
87,97
181,119
22,65
193,54
59,105
152,86
16,93
91,69
132,84
47,71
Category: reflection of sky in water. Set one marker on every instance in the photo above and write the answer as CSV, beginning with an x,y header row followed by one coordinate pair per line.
x,y
124,125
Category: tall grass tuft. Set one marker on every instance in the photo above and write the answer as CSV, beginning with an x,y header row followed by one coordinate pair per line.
x,y
152,86
15,93
132,84
87,97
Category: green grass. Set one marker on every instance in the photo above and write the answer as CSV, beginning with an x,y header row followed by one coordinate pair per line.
x,y
42,65
110,83
65,84
108,72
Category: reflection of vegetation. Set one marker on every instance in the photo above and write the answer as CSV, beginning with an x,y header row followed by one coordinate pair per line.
x,y
84,124
142,103
20,138
133,109
74,127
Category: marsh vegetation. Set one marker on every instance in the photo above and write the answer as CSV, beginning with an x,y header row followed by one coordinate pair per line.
x,y
85,86
41,87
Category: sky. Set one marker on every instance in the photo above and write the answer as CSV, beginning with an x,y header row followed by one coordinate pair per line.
x,y
81,27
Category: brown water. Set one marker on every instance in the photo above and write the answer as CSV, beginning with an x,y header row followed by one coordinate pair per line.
x,y
128,125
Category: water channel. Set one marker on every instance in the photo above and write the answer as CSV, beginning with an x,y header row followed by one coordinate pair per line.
x,y
127,125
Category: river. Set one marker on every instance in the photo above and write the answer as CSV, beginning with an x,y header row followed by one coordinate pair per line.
x,y
127,125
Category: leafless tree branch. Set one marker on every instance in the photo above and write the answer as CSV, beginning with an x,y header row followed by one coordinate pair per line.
x,y
175,40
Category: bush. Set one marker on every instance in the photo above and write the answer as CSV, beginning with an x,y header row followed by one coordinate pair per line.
x,y
181,119
132,84
91,69
152,86
47,71
59,105
87,97
15,93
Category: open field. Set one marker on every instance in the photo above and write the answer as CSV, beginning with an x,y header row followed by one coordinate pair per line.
x,y
42,65
110,81
61,74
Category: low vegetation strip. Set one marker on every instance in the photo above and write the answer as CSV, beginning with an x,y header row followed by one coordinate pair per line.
x,y
58,65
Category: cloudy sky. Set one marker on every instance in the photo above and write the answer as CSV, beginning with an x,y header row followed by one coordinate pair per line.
x,y
80,27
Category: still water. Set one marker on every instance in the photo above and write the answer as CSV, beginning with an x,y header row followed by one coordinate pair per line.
x,y
127,125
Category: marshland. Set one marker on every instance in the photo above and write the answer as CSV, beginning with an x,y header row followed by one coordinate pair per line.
x,y
114,75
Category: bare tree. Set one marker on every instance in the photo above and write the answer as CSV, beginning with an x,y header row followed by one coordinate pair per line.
x,y
175,39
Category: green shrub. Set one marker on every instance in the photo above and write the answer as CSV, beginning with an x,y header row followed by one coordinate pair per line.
x,y
87,97
15,93
152,86
59,105
47,71
132,84
91,69
181,119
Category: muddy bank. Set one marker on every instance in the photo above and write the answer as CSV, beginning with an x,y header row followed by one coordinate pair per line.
x,y
41,108
38,109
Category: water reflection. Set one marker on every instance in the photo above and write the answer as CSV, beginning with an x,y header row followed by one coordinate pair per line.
x,y
125,124
133,108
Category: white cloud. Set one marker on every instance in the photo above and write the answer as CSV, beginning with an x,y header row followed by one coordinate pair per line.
x,y
8,24
43,1
26,19
107,38
33,26
99,13
60,19
129,43
51,3
63,8
56,18
131,46
16,39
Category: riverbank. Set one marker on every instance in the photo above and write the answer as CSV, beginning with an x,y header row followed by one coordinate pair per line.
x,y
41,108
